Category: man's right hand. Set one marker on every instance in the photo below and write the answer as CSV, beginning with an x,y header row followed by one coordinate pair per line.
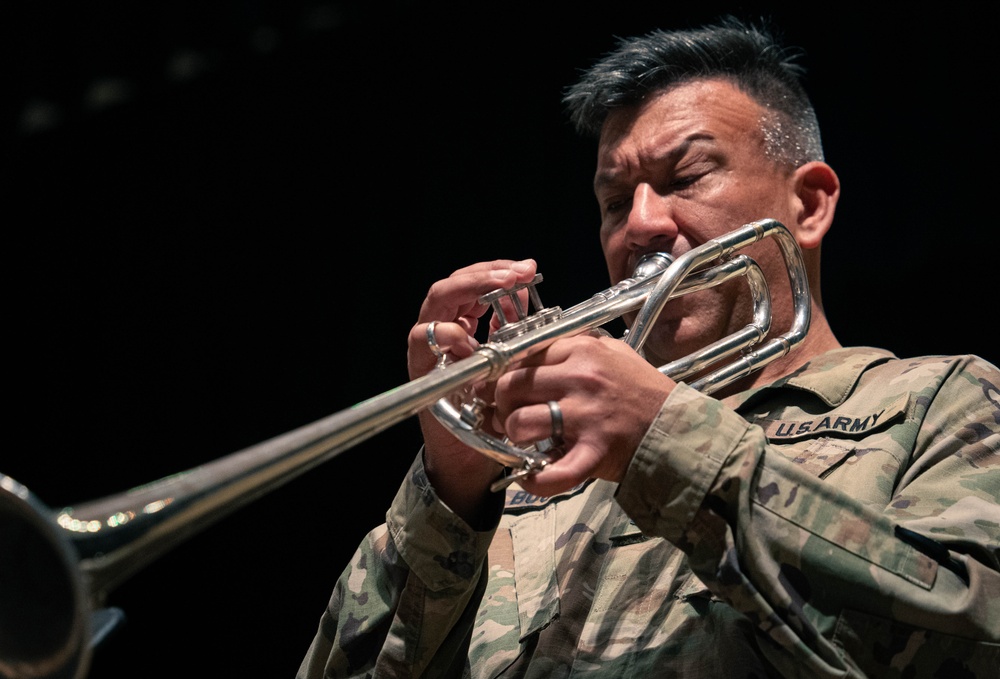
x,y
460,475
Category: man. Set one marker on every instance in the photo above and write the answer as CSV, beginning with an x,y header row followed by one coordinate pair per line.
x,y
836,513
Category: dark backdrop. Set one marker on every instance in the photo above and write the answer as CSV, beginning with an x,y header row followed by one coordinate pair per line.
x,y
222,218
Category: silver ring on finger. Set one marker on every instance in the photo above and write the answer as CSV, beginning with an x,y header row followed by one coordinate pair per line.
x,y
557,422
432,343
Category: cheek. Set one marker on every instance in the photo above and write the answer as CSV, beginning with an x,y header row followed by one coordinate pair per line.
x,y
610,238
716,307
615,255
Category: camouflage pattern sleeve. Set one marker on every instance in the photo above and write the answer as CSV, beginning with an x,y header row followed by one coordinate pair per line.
x,y
882,562
406,603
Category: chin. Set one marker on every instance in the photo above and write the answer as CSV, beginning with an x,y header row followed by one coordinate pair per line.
x,y
667,343
673,339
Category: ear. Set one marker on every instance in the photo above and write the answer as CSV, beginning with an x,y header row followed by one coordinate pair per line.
x,y
817,189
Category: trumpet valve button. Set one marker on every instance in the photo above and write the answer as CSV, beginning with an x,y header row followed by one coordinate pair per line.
x,y
496,297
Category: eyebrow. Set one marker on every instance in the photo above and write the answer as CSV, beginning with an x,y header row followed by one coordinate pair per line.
x,y
606,178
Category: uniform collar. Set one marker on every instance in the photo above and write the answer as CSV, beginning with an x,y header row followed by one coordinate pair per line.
x,y
831,376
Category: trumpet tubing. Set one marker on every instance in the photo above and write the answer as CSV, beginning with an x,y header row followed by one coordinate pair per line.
x,y
58,566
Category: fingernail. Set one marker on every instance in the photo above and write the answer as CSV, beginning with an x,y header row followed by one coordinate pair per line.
x,y
522,266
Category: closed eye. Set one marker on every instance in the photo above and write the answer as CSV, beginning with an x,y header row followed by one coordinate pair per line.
x,y
617,205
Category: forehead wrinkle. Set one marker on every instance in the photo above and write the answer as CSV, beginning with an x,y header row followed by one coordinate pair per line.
x,y
653,152
694,110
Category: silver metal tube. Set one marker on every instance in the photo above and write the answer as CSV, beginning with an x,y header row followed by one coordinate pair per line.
x,y
57,567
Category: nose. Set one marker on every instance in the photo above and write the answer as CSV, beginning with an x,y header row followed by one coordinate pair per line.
x,y
651,224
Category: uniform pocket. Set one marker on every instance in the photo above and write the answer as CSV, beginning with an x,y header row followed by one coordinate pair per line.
x,y
534,570
885,648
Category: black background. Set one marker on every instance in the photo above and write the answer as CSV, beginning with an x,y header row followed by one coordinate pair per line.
x,y
234,239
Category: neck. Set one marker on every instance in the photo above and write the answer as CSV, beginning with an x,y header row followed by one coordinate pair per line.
x,y
818,340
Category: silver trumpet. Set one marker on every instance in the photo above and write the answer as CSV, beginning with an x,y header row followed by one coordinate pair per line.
x,y
57,567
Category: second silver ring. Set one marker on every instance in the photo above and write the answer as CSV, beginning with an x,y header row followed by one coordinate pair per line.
x,y
432,340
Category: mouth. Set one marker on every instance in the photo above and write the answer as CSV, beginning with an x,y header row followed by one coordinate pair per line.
x,y
676,250
640,260
650,264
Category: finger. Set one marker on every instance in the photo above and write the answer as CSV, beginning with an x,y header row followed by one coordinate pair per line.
x,y
533,423
456,298
495,265
576,465
427,342
537,378
451,339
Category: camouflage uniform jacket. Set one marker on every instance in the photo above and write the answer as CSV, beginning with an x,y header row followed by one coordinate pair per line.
x,y
841,522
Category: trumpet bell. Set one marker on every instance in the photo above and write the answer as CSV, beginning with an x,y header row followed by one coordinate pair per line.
x,y
45,628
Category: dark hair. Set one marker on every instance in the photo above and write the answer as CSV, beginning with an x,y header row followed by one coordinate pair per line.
x,y
749,56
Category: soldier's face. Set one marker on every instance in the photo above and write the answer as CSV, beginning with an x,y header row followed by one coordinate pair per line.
x,y
680,169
